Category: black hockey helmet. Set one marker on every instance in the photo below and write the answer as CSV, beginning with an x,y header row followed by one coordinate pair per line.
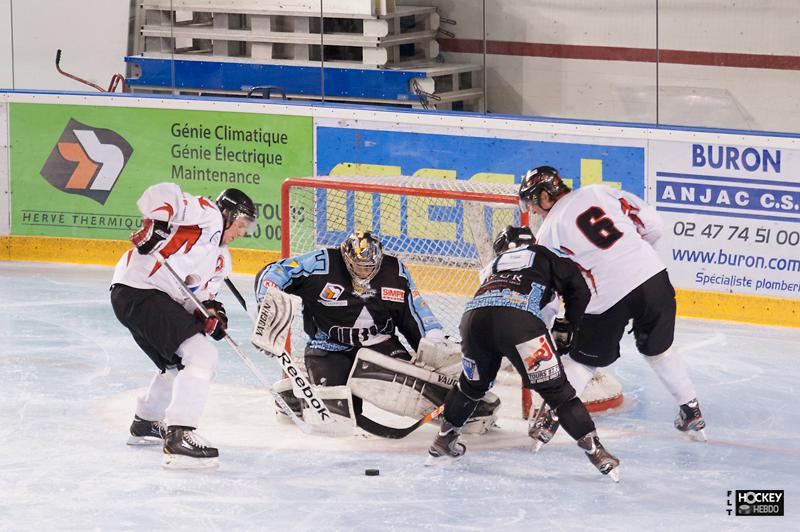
x,y
541,178
513,237
362,252
233,204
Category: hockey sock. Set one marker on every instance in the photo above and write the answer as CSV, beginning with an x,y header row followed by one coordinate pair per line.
x,y
458,406
191,387
575,418
671,369
153,404
578,374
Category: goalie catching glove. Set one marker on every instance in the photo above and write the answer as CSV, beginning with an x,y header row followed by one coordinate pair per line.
x,y
274,321
562,333
151,237
217,322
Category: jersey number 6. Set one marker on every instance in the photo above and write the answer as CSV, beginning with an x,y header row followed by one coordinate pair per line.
x,y
597,228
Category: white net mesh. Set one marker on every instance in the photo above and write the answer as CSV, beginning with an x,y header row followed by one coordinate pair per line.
x,y
441,229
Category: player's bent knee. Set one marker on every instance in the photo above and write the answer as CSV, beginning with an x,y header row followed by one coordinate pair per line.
x,y
474,390
199,356
558,396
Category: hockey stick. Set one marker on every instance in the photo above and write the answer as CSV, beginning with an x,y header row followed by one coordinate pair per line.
x,y
305,427
301,384
237,294
373,427
369,425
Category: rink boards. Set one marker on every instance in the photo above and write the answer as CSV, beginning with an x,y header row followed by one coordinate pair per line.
x,y
72,165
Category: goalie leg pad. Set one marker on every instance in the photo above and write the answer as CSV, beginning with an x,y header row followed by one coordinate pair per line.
x,y
408,390
485,415
397,386
339,401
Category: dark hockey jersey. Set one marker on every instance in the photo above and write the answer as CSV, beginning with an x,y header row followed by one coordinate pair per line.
x,y
528,279
334,316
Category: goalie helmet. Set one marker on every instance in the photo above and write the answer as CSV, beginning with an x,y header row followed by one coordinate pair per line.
x,y
233,204
362,253
511,238
541,178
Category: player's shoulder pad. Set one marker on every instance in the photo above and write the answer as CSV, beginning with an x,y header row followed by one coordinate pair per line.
x,y
549,250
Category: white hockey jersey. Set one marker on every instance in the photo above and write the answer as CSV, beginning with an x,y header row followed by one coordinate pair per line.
x,y
192,249
610,234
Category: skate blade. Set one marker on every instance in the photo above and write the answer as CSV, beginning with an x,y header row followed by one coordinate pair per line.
x,y
614,474
441,461
174,461
144,440
697,435
537,446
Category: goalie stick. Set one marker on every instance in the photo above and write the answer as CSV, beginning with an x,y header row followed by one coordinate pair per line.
x,y
362,421
302,425
271,327
373,427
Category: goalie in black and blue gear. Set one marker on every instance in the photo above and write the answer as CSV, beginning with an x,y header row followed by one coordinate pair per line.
x,y
356,300
504,319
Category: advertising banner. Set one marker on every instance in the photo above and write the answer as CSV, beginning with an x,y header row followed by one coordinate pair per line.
x,y
4,226
77,171
480,158
349,151
732,216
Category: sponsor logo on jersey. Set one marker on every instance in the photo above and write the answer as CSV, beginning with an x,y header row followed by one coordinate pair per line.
x,y
541,363
220,264
87,161
330,295
470,369
269,284
540,355
392,294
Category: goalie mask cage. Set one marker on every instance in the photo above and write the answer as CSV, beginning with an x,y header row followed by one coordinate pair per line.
x,y
441,229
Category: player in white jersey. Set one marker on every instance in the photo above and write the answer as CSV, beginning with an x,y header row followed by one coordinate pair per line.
x,y
192,234
610,234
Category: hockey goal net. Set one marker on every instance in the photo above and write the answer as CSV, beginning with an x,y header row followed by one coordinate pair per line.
x,y
441,229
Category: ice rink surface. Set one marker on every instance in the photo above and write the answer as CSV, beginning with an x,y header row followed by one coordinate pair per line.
x,y
69,375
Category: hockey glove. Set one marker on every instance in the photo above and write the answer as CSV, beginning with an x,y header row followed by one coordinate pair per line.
x,y
216,324
562,333
151,236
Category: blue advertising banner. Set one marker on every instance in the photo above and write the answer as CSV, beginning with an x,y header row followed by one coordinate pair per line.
x,y
469,157
345,151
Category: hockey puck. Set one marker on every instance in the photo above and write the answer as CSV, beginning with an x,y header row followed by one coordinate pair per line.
x,y
372,472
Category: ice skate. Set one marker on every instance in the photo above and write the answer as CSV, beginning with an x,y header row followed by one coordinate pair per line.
x,y
294,403
144,432
604,461
185,449
446,447
690,421
542,429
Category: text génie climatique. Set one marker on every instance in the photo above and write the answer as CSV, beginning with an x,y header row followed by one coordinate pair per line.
x,y
260,151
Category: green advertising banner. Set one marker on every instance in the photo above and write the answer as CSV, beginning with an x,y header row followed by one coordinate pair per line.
x,y
77,171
